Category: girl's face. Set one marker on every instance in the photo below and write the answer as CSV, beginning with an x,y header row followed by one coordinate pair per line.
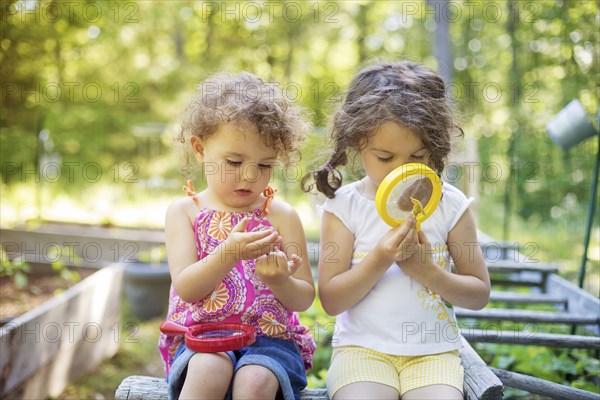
x,y
390,147
237,165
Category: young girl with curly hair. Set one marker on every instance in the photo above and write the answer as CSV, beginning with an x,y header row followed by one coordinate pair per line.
x,y
237,254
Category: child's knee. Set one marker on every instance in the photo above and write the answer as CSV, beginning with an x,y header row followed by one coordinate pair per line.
x,y
255,381
216,365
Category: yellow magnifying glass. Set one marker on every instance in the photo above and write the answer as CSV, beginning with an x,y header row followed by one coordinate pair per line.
x,y
410,189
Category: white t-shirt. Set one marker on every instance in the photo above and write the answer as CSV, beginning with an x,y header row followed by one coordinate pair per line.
x,y
399,315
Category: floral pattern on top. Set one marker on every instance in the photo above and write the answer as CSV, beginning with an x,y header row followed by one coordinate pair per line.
x,y
241,297
269,315
225,300
220,225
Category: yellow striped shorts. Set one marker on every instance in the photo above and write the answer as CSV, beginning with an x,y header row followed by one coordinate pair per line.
x,y
352,364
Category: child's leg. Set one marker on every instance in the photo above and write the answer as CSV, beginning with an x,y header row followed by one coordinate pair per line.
x,y
434,392
208,376
271,365
366,390
255,382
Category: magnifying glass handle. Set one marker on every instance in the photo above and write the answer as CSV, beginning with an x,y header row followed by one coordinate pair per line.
x,y
172,328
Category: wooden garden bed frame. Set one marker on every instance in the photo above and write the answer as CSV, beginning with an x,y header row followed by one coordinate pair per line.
x,y
44,349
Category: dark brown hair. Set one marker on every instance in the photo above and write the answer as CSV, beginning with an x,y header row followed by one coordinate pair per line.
x,y
242,98
409,94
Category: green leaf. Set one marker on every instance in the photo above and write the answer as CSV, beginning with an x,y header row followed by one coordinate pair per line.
x,y
20,280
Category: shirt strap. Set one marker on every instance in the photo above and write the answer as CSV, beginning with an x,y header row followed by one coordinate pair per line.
x,y
190,191
269,193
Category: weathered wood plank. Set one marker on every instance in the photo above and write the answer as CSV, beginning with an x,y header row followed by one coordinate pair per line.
x,y
508,266
544,388
580,301
151,388
501,314
480,383
531,338
142,388
527,298
80,246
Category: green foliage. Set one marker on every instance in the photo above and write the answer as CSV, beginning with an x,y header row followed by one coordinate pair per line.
x,y
92,80
576,368
65,273
322,328
16,269
572,367
154,256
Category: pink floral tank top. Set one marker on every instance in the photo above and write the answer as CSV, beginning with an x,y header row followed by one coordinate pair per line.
x,y
241,297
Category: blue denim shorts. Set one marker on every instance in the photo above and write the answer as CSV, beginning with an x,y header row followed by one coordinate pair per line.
x,y
280,357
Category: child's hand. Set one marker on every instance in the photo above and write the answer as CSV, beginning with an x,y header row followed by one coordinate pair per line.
x,y
400,243
274,268
244,245
421,258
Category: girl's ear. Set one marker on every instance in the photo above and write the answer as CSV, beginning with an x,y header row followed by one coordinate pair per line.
x,y
197,148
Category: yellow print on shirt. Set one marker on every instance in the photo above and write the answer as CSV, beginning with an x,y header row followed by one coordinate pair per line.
x,y
434,301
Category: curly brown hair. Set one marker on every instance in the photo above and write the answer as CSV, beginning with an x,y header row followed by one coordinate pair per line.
x,y
409,94
242,98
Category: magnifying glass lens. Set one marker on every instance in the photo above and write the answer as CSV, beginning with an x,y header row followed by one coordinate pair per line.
x,y
400,202
220,333
411,189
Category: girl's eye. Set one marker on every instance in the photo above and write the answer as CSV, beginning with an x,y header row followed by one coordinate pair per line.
x,y
418,156
265,166
234,163
385,159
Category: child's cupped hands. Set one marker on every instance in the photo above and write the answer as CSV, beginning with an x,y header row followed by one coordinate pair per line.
x,y
250,245
421,259
399,243
275,267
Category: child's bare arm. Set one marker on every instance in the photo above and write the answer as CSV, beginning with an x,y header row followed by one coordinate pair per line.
x,y
341,287
287,272
469,287
194,279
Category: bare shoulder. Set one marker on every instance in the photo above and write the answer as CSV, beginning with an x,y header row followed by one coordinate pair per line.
x,y
283,214
181,209
281,209
465,228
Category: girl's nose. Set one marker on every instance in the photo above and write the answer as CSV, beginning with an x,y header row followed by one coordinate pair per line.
x,y
250,172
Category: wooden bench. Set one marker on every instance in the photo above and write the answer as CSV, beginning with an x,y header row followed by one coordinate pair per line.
x,y
527,298
501,314
544,388
520,273
480,383
531,338
508,266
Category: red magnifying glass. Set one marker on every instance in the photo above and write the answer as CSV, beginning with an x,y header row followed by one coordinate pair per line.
x,y
212,337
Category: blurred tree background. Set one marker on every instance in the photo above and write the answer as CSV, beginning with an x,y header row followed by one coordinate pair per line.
x,y
106,82
92,93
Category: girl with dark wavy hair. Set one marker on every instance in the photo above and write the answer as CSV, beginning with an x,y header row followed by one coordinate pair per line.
x,y
393,290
